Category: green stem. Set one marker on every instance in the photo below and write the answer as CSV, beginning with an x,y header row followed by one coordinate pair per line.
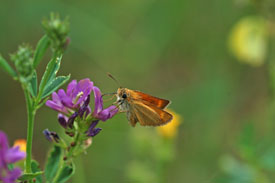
x,y
31,113
72,149
70,157
59,171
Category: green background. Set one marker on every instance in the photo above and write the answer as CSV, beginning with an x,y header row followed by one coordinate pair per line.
x,y
171,49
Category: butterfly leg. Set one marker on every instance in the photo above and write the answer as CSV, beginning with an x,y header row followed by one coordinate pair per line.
x,y
109,94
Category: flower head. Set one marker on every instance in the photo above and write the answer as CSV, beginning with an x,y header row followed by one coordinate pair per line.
x,y
9,156
73,98
170,130
73,106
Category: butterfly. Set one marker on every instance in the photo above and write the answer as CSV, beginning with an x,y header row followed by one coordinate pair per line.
x,y
143,108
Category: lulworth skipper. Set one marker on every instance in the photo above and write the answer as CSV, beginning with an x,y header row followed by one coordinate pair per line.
x,y
142,108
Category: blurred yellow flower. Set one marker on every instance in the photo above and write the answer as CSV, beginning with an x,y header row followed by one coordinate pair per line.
x,y
248,40
21,143
170,130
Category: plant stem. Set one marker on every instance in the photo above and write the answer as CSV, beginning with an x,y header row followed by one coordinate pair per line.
x,y
61,166
31,113
70,157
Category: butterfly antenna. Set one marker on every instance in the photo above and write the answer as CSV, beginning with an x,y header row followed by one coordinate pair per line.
x,y
113,78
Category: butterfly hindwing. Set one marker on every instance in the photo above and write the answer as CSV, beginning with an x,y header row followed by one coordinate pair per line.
x,y
150,115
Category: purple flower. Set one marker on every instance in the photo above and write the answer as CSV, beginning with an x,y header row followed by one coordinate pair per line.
x,y
73,106
73,98
65,121
99,112
9,156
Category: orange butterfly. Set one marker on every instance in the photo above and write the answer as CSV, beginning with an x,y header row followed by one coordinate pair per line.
x,y
143,108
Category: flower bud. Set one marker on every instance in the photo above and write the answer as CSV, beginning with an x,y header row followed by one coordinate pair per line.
x,y
23,62
51,136
57,31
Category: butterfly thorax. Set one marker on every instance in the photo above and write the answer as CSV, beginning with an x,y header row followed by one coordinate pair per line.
x,y
123,98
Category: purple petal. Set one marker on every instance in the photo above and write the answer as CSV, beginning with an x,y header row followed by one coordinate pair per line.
x,y
94,132
71,119
93,125
12,175
47,134
50,136
84,107
66,100
3,141
107,113
55,106
62,120
70,88
56,103
14,154
56,98
85,86
113,110
98,101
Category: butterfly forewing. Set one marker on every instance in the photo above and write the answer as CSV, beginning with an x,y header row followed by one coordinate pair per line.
x,y
158,102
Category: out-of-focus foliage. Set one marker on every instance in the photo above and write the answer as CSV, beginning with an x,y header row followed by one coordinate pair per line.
x,y
174,49
248,40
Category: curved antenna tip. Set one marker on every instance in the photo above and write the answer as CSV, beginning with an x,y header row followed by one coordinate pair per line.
x,y
113,78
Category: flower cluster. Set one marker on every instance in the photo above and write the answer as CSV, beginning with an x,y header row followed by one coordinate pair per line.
x,y
73,105
8,156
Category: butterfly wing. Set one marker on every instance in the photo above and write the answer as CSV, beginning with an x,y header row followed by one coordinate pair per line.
x,y
139,96
150,115
132,118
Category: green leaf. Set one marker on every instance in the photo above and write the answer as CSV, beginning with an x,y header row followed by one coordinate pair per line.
x,y
10,166
54,85
33,84
40,50
53,162
66,173
35,168
50,73
4,64
29,176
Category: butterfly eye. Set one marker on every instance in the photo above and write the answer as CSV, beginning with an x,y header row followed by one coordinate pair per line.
x,y
124,96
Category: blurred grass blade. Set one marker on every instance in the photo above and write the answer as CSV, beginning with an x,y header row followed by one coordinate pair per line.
x,y
52,164
33,84
42,46
4,64
54,85
49,74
